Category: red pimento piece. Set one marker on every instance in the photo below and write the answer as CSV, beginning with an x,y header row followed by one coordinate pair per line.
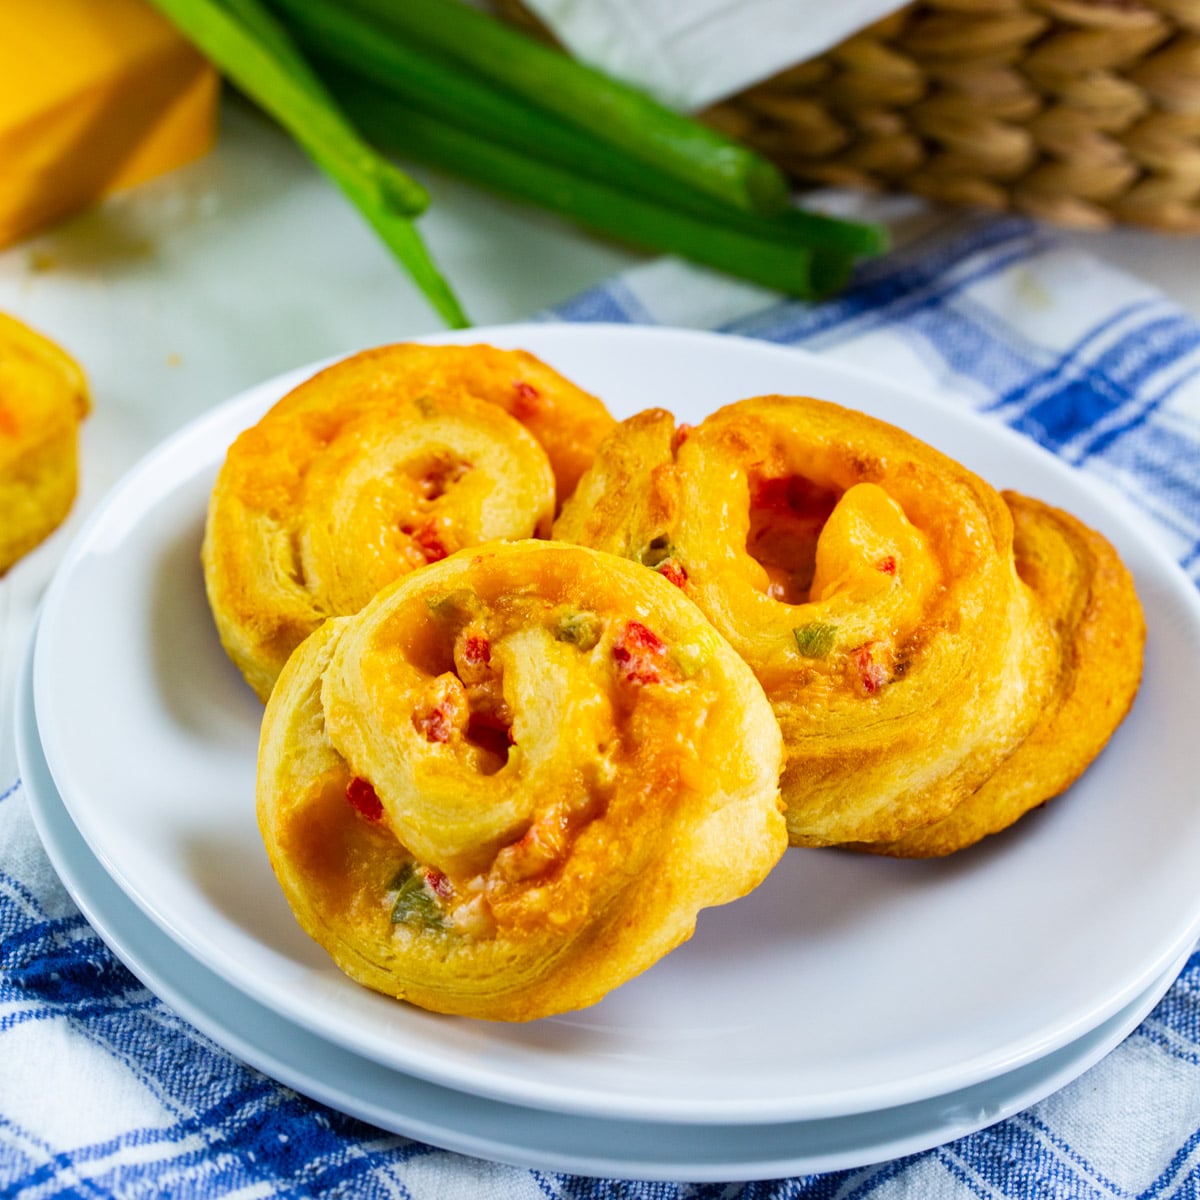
x,y
528,399
638,638
438,883
887,564
477,650
872,675
434,725
363,799
640,654
431,545
438,478
673,571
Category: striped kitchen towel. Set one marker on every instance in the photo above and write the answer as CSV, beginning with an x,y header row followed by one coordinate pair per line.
x,y
105,1091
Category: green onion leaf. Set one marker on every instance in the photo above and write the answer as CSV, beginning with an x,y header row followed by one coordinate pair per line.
x,y
656,551
415,904
816,639
365,57
595,205
460,604
483,48
246,43
581,629
689,657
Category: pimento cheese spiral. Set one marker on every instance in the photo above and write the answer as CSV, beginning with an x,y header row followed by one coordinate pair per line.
x,y
910,649
381,463
510,783
43,397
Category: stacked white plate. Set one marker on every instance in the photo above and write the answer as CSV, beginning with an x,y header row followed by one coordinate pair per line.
x,y
850,1010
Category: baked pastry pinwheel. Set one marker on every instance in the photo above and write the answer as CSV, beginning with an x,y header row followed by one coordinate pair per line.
x,y
1096,623
510,782
940,658
381,463
43,397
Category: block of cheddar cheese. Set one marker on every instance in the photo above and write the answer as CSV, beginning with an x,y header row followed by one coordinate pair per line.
x,y
95,96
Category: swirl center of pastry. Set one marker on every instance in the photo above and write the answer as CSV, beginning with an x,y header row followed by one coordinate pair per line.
x,y
787,514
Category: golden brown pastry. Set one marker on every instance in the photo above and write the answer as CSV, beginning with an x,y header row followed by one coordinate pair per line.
x,y
43,397
568,422
1096,621
920,662
509,783
387,460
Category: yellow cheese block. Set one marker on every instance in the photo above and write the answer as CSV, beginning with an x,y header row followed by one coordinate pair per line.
x,y
95,95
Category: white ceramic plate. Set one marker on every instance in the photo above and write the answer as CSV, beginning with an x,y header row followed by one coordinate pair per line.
x,y
845,984
491,1129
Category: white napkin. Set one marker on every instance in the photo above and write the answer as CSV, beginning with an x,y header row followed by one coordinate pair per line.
x,y
690,53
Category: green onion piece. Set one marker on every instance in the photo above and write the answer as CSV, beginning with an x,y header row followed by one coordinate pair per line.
x,y
461,604
335,141
414,903
816,639
365,54
656,551
582,96
592,204
248,46
689,657
362,53
580,629
402,238
858,238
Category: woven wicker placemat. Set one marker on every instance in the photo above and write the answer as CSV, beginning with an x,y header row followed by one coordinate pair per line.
x,y
1082,112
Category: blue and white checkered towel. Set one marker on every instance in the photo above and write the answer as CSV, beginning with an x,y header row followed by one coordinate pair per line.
x,y
105,1092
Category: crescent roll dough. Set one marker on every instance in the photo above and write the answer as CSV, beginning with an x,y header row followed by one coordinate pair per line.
x,y
509,783
940,658
381,463
1089,600
43,397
